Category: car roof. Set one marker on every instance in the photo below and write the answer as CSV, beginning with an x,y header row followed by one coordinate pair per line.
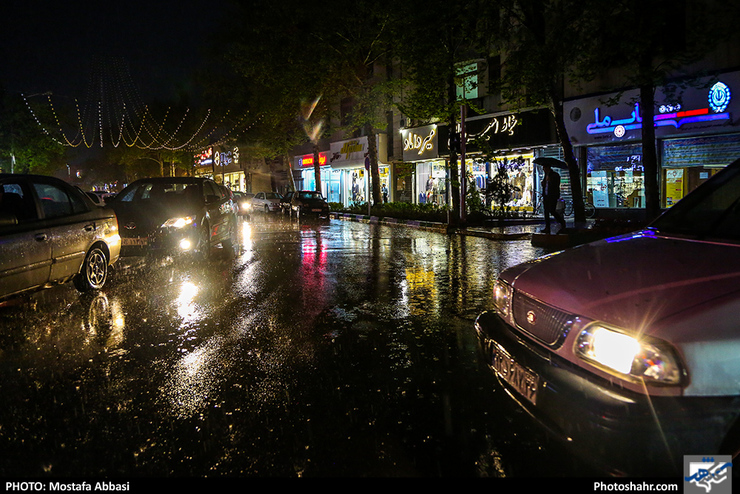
x,y
171,180
30,176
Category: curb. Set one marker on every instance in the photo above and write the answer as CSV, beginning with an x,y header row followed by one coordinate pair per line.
x,y
429,225
557,241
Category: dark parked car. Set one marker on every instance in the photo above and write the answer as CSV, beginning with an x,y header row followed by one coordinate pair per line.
x,y
175,215
285,202
308,202
628,349
51,232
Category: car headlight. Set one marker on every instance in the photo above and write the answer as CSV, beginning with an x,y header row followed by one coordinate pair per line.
x,y
178,222
246,205
502,293
616,352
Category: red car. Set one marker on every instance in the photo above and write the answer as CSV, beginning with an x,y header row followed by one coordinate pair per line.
x,y
628,349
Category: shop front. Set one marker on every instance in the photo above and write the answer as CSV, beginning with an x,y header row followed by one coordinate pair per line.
x,y
508,143
350,180
222,165
694,131
427,180
307,175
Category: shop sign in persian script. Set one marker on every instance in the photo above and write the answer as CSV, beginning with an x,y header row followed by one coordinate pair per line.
x,y
420,143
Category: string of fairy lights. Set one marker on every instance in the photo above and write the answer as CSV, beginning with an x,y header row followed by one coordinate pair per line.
x,y
113,113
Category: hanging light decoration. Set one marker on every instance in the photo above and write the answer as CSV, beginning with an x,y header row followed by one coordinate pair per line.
x,y
114,114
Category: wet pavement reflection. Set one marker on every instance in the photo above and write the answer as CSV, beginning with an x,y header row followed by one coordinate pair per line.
x,y
326,348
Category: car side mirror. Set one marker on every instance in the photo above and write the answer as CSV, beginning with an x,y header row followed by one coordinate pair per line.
x,y
210,199
8,219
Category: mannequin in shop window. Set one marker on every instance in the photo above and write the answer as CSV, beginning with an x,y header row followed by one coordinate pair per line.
x,y
550,196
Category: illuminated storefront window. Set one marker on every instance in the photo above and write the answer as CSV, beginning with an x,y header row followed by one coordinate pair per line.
x,y
614,176
431,184
687,163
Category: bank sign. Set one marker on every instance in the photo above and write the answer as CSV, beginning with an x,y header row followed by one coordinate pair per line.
x,y
704,108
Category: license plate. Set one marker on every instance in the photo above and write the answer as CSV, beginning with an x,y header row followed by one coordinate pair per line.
x,y
523,380
134,241
315,210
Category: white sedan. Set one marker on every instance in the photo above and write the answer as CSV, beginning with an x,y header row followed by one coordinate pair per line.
x,y
267,202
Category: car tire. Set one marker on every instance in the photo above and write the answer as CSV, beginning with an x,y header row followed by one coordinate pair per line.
x,y
203,249
94,271
232,242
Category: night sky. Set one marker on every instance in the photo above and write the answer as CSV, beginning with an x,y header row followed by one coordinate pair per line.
x,y
54,45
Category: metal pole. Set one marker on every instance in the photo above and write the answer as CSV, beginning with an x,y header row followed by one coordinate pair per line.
x,y
463,166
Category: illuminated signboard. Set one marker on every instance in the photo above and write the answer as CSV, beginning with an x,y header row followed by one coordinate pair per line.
x,y
420,143
504,131
674,119
349,153
702,107
209,157
307,160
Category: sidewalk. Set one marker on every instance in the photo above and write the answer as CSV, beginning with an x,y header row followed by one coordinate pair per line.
x,y
512,230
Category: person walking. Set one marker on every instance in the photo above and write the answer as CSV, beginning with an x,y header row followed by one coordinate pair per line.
x,y
550,196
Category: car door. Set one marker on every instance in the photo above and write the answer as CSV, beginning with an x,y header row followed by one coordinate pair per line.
x,y
70,225
258,202
219,210
25,245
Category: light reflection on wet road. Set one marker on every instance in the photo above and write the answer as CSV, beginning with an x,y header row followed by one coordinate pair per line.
x,y
320,349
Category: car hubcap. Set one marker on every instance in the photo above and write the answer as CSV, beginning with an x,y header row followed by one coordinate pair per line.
x,y
96,269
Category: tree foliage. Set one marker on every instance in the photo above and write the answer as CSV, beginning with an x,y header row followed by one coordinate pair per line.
x,y
432,40
23,145
656,44
295,63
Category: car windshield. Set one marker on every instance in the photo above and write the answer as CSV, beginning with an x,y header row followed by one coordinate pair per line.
x,y
712,211
161,192
309,195
272,195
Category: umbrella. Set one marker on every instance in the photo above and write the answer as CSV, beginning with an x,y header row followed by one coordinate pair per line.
x,y
552,162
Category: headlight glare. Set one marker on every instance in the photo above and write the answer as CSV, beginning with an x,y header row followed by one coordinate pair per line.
x,y
627,356
178,222
502,297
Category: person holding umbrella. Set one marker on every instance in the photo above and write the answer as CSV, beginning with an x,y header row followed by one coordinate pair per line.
x,y
550,195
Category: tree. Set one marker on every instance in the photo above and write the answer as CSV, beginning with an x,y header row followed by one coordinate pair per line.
x,y
358,41
24,147
430,60
665,40
273,67
296,63
541,45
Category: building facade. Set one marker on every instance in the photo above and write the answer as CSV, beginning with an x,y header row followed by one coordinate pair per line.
x,y
696,135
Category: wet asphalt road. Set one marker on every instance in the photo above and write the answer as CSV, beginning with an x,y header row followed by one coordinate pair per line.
x,y
320,349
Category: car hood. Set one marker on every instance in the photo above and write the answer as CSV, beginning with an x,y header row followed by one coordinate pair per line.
x,y
149,217
634,281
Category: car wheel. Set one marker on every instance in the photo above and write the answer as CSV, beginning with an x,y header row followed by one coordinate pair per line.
x,y
203,249
267,210
94,271
232,242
